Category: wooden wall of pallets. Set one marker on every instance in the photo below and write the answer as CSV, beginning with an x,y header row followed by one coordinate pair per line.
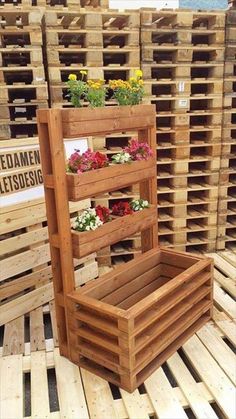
x,y
182,58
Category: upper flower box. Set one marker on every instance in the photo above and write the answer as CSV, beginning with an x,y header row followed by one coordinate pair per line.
x,y
96,182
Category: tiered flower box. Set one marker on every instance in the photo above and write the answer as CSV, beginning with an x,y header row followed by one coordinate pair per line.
x,y
125,324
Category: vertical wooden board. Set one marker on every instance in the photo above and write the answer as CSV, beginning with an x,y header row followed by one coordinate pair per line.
x,y
53,321
99,398
11,388
134,405
192,391
219,350
212,375
165,402
13,342
70,389
39,386
37,337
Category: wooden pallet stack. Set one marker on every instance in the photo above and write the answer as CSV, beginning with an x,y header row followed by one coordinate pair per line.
x,y
25,262
51,3
227,189
106,45
23,88
182,62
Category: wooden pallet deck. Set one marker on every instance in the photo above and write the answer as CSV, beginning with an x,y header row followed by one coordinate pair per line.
x,y
198,381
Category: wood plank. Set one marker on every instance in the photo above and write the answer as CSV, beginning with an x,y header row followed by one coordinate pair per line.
x,y
223,265
70,389
37,336
228,328
224,301
134,405
227,283
11,389
25,303
39,385
212,375
164,401
219,350
98,395
192,391
13,342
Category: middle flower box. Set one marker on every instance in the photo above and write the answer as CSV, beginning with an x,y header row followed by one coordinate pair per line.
x,y
117,176
118,228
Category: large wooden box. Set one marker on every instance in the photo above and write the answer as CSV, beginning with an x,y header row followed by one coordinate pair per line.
x,y
125,324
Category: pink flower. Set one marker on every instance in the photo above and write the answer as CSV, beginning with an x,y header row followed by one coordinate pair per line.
x,y
89,160
138,151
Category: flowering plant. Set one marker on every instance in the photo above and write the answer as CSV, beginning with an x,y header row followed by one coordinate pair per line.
x,y
121,208
77,88
96,93
89,160
88,220
103,213
139,204
128,92
137,150
121,158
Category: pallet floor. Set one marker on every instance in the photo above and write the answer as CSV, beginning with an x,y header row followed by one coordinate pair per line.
x,y
196,382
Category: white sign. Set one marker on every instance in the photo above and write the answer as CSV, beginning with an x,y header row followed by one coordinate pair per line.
x,y
20,171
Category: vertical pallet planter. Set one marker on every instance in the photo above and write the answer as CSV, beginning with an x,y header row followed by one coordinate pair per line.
x,y
125,324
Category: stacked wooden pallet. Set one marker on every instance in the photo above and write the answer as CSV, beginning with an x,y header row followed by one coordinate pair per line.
x,y
182,62
62,3
106,45
227,194
23,88
25,268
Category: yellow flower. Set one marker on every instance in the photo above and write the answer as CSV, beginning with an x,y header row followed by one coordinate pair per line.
x,y
140,82
132,79
72,77
84,72
139,73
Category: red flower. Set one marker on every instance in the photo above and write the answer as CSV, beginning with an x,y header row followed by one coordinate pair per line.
x,y
103,213
121,208
90,160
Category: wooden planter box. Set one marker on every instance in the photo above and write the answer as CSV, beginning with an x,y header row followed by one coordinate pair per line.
x,y
108,178
119,228
125,324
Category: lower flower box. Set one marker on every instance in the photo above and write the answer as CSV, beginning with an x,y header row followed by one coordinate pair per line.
x,y
119,228
127,323
109,178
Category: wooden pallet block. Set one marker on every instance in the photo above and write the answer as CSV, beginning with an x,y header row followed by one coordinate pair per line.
x,y
22,92
22,56
20,17
24,75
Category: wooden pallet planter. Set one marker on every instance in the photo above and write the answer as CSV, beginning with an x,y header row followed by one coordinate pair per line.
x,y
127,323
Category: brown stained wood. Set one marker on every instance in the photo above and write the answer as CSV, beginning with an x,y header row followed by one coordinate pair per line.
x,y
85,243
124,324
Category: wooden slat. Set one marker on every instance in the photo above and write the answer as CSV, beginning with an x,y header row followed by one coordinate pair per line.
x,y
165,403
134,405
37,336
219,350
192,391
39,385
98,395
70,389
224,301
14,337
11,389
213,376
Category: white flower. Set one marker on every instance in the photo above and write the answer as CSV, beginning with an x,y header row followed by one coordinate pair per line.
x,y
87,228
